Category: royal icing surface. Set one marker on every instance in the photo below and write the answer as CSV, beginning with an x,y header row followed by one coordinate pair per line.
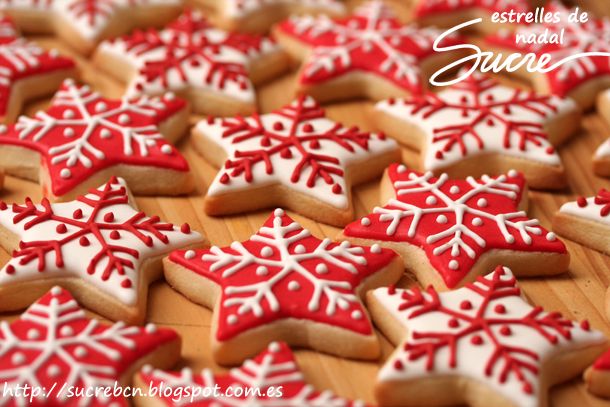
x,y
242,8
274,367
99,238
21,60
372,40
89,18
455,221
285,272
54,345
592,36
190,54
425,8
83,133
595,208
478,116
484,331
296,146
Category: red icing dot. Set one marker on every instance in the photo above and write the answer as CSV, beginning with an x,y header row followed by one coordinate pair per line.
x,y
265,142
505,330
337,189
392,289
278,126
381,135
109,217
466,304
500,309
185,228
224,179
476,340
10,269
115,235
307,128
61,228
398,365
527,388
550,150
314,144
83,241
126,283
391,101
77,214
585,325
286,153
453,323
439,155
2,206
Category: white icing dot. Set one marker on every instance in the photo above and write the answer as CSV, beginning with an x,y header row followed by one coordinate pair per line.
x,y
482,203
147,369
441,219
56,290
453,265
431,200
69,132
274,347
477,221
166,149
170,96
53,371
151,142
68,114
454,189
293,286
300,249
232,319
80,351
18,358
401,169
376,248
266,251
150,328
100,107
262,271
365,221
53,53
69,82
278,213
33,334
65,173
3,128
105,133
551,237
512,173
321,268
189,254
356,314
124,118
66,330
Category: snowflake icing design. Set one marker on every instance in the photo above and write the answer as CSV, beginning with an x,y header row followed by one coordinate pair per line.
x,y
484,331
296,146
275,367
592,36
455,221
83,133
372,40
109,241
189,53
21,60
285,272
479,116
55,343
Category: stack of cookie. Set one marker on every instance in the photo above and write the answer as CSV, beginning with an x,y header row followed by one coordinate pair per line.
x,y
409,284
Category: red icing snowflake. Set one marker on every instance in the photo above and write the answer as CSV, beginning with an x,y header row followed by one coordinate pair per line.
x,y
99,238
372,40
426,8
285,272
592,36
455,221
55,346
275,367
189,53
484,331
22,60
83,133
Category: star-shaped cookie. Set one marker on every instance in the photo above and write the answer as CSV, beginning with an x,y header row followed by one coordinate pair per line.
x,y
478,126
55,346
211,68
482,345
294,157
449,232
83,138
99,246
84,23
273,368
579,78
370,54
284,284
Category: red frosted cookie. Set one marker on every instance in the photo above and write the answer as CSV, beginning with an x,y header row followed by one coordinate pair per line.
x,y
580,79
370,54
54,345
84,23
273,370
213,69
294,157
597,376
478,126
99,246
26,71
83,139
482,345
449,232
285,284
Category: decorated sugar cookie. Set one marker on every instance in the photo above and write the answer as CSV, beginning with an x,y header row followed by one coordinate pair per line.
x,y
449,232
259,15
481,345
478,126
294,157
272,368
580,78
84,138
601,158
450,13
285,284
370,54
26,70
209,67
99,246
84,23
597,376
55,346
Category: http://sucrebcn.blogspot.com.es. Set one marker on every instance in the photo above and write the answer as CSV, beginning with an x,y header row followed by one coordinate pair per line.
x,y
178,394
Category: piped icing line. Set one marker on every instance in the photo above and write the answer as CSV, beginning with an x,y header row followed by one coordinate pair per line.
x,y
455,222
591,36
82,133
190,54
99,238
274,367
285,272
372,40
296,146
430,8
54,342
595,208
485,332
479,116
242,8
